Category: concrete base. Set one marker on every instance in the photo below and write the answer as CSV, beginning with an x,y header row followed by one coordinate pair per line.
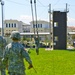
x,y
48,49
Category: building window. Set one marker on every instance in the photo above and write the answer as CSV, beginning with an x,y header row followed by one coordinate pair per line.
x,y
38,25
54,43
6,25
14,24
33,25
9,25
41,25
55,24
56,38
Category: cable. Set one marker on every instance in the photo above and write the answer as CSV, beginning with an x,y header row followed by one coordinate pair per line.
x,y
72,10
42,4
32,15
36,16
27,0
15,2
43,12
71,5
23,3
57,2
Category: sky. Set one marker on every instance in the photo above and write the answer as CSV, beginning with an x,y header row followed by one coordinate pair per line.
x,y
21,10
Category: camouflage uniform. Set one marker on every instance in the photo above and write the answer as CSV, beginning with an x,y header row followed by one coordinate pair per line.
x,y
37,44
2,46
14,54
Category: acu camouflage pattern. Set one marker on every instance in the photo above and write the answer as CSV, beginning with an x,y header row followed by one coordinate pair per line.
x,y
15,34
37,41
37,44
14,54
2,46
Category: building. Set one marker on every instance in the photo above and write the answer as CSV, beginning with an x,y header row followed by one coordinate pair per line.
x,y
43,26
26,27
12,25
15,25
70,34
59,30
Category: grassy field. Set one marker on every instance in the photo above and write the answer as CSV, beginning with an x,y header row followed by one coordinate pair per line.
x,y
56,62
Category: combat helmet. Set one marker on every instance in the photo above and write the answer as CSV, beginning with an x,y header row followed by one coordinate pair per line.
x,y
15,35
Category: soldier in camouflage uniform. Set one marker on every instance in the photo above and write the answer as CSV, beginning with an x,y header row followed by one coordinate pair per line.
x,y
37,44
2,46
14,54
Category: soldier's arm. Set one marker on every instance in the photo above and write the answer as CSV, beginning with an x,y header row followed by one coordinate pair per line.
x,y
26,55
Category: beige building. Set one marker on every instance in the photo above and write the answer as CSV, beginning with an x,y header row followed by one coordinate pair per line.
x,y
43,26
14,25
70,35
26,27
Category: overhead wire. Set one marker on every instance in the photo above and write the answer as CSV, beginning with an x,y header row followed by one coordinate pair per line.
x,y
72,10
42,4
22,3
36,16
71,5
27,0
56,2
32,15
16,2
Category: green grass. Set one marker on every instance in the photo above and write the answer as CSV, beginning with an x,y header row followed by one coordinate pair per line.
x,y
56,62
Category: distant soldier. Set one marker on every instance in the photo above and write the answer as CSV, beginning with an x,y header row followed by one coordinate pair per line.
x,y
37,44
14,54
2,46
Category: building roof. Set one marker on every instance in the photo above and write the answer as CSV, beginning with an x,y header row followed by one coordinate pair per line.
x,y
40,21
71,33
71,27
24,24
44,33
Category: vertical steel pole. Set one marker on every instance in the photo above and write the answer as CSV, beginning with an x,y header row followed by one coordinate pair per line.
x,y
2,3
50,23
36,17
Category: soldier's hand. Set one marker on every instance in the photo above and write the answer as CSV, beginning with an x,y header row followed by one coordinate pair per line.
x,y
30,66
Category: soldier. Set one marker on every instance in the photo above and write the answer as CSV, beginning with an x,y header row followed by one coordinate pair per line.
x,y
2,46
14,54
37,44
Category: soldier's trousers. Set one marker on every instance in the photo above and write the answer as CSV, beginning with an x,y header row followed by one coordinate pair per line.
x,y
37,51
11,73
